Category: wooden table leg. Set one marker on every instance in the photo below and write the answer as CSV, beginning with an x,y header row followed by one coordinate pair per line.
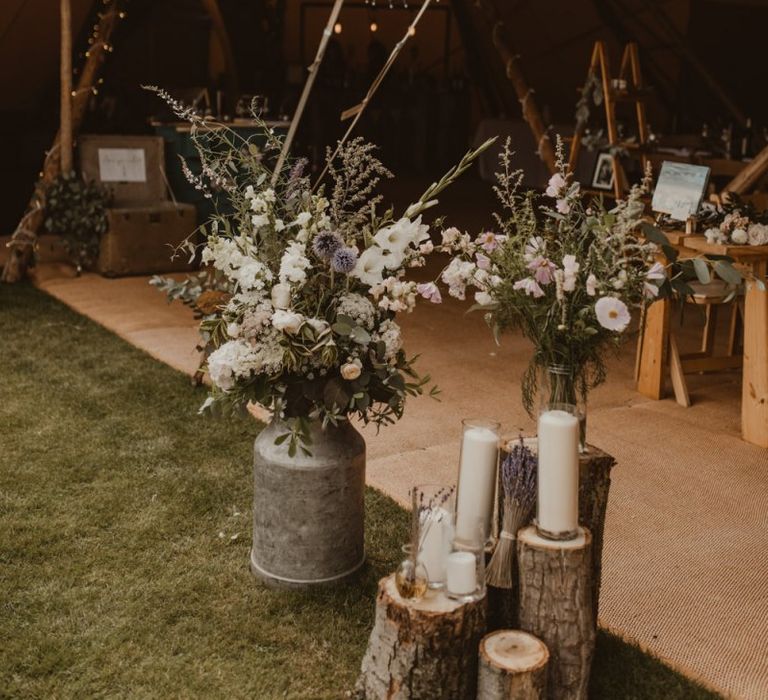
x,y
653,353
754,392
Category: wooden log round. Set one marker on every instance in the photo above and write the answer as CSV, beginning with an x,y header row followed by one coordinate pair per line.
x,y
512,666
556,606
424,648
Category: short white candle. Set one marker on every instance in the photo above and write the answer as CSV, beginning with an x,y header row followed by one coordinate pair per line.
x,y
558,489
461,573
477,483
435,539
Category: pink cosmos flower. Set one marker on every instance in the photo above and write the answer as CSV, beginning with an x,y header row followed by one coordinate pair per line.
x,y
656,272
530,287
543,270
483,261
563,206
489,241
430,291
555,185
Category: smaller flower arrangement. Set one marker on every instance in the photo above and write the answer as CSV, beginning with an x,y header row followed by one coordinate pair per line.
x,y
735,224
567,274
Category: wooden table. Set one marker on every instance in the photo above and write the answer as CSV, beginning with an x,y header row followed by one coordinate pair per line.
x,y
754,393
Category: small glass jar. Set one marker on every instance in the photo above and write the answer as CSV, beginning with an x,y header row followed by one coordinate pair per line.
x,y
411,576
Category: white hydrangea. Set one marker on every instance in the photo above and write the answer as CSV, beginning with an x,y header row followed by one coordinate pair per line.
x,y
359,309
231,361
256,319
389,333
294,263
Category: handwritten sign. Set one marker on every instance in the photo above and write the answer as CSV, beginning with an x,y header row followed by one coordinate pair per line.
x,y
680,189
122,165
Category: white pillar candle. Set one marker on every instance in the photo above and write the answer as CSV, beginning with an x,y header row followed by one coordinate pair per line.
x,y
461,573
558,489
477,481
435,542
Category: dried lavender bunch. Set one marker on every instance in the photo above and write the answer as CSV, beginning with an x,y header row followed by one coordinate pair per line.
x,y
518,481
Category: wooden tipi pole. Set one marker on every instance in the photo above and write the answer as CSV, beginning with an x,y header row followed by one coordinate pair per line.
x,y
313,71
514,71
24,237
65,124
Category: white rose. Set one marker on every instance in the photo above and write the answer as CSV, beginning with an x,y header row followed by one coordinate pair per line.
x,y
739,236
288,321
351,370
281,296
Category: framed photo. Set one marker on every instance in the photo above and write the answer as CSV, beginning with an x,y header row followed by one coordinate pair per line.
x,y
602,175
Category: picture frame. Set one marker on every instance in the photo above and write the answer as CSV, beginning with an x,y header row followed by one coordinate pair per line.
x,y
603,174
680,189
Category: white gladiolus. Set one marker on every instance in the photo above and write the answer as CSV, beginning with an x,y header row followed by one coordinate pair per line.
x,y
370,266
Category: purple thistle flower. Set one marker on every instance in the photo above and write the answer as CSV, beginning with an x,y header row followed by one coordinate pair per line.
x,y
344,260
326,244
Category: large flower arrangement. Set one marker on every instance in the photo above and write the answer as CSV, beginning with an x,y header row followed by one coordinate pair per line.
x,y
310,282
567,274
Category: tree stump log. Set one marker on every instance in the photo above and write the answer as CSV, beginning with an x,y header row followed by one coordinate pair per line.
x,y
556,606
512,666
423,648
594,486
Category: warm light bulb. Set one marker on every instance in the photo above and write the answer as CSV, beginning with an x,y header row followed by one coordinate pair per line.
x,y
374,27
411,31
337,28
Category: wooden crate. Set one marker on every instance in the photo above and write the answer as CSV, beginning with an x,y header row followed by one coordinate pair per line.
x,y
144,227
141,240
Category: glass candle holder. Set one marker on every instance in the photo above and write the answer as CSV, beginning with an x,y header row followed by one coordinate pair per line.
x,y
476,488
411,576
433,511
465,568
557,503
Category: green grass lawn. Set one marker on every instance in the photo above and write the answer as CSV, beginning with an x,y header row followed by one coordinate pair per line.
x,y
124,538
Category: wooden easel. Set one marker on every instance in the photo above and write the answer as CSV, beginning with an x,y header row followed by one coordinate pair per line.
x,y
630,89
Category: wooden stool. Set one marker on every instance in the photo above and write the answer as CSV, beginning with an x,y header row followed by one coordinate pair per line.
x,y
513,664
712,296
